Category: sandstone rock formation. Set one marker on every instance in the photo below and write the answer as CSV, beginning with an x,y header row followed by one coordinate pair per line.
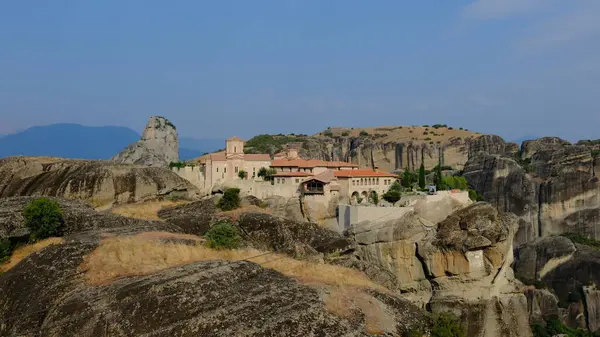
x,y
158,147
551,186
49,294
570,272
462,265
395,147
102,183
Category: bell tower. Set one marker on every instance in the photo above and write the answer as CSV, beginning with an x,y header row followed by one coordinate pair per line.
x,y
234,147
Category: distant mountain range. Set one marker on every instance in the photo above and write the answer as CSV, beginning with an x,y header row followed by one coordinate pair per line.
x,y
88,142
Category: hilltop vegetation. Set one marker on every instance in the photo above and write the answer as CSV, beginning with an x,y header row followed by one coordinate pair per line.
x,y
272,143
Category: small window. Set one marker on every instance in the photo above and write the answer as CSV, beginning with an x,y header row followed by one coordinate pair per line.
x,y
217,169
236,169
283,181
234,149
297,181
224,169
278,181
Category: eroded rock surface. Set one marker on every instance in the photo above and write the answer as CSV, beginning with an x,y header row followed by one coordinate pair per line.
x,y
570,272
102,183
551,186
47,294
159,145
462,265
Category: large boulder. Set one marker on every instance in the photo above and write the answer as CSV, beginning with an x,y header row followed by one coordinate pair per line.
x,y
461,265
268,232
102,183
159,145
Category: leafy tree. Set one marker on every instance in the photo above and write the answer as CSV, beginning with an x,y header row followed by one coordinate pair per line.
x,y
242,174
394,193
455,182
447,325
223,235
266,173
345,134
422,176
43,218
364,133
438,179
230,199
409,178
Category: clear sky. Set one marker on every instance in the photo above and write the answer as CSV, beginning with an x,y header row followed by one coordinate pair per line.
x,y
222,68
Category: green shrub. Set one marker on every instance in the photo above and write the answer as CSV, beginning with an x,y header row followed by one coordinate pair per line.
x,y
455,182
578,238
425,125
394,193
363,133
447,325
43,218
230,199
555,327
263,204
474,195
178,164
328,133
242,174
427,139
5,250
223,235
345,134
595,153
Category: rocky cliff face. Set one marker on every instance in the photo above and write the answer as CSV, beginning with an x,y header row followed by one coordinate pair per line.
x,y
570,272
551,186
390,155
102,183
462,265
158,147
392,148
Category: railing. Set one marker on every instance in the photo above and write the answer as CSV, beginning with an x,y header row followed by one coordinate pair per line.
x,y
314,190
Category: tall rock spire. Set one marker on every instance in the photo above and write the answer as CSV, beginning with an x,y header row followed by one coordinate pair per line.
x,y
158,146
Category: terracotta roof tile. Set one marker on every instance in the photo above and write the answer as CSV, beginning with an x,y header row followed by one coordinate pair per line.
x,y
257,157
310,163
362,173
293,174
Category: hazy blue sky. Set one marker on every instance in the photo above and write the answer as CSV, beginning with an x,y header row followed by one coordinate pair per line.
x,y
221,68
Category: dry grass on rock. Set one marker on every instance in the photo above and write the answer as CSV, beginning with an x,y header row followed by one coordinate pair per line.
x,y
145,210
146,253
22,252
235,214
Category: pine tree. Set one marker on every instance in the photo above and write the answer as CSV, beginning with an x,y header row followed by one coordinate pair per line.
x,y
422,176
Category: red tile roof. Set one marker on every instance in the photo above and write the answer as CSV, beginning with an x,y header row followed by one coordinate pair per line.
x,y
293,174
257,157
310,163
362,173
